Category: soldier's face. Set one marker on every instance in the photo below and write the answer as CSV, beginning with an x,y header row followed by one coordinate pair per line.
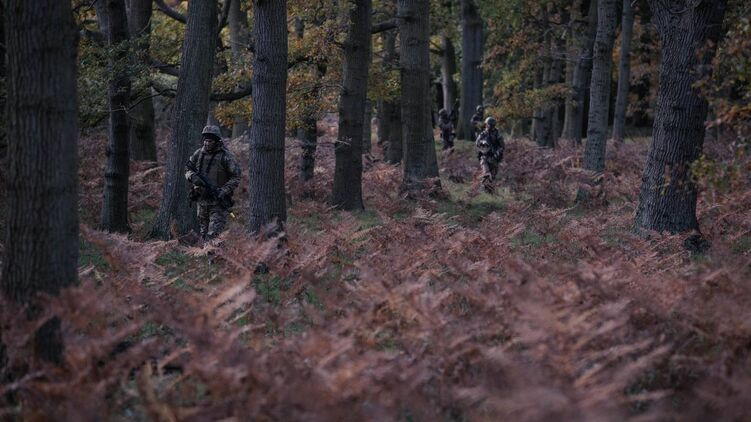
x,y
209,143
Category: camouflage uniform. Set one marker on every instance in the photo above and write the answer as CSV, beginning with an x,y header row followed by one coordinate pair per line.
x,y
476,123
490,148
447,129
220,168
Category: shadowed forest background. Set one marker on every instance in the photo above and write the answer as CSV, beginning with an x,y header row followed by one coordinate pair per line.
x,y
366,273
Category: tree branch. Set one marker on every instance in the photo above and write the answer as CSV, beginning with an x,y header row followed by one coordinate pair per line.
x,y
174,14
383,26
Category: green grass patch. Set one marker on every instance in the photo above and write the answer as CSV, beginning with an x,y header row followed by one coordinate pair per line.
x,y
742,245
531,238
90,255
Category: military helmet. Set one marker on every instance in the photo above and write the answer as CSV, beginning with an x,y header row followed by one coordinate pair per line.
x,y
443,112
212,131
490,121
480,108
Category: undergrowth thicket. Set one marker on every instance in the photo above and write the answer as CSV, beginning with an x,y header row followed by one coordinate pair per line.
x,y
452,305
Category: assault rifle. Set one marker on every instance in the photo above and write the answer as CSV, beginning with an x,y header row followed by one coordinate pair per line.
x,y
225,201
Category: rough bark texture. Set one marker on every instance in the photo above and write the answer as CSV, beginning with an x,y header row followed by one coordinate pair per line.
x,y
574,128
3,138
391,111
189,113
448,69
472,46
347,193
239,39
419,148
142,135
599,97
574,38
667,200
624,72
267,193
41,236
117,171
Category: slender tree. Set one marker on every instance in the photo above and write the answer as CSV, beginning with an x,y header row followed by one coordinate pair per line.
x,y
3,138
41,237
267,193
142,126
419,148
624,71
573,44
448,69
472,51
239,38
689,31
599,99
189,113
575,116
115,205
347,193
390,111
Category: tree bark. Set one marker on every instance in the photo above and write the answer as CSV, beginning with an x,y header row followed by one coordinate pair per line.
x,y
448,69
3,138
239,41
599,99
624,72
472,51
367,128
267,192
573,44
419,149
115,205
582,75
189,113
41,237
142,126
689,34
347,192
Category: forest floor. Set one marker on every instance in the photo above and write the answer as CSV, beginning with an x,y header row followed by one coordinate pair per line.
x,y
455,304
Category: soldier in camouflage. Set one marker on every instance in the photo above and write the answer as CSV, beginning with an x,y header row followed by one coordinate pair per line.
x,y
219,168
476,124
447,129
490,148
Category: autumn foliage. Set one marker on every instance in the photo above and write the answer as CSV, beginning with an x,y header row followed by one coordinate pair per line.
x,y
456,305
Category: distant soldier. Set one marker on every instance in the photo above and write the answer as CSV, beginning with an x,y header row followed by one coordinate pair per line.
x,y
475,123
214,174
490,148
447,129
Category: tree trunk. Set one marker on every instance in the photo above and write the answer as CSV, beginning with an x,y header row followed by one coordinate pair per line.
x,y
448,69
472,46
667,200
3,138
582,76
573,44
189,113
115,205
599,99
391,110
267,192
41,237
367,128
419,147
142,137
624,72
239,41
347,193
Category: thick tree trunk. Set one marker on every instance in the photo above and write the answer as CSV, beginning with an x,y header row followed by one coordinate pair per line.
x,y
667,200
624,72
419,149
267,192
115,205
3,137
472,51
599,99
239,40
582,76
189,113
347,193
391,111
142,136
41,237
448,69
